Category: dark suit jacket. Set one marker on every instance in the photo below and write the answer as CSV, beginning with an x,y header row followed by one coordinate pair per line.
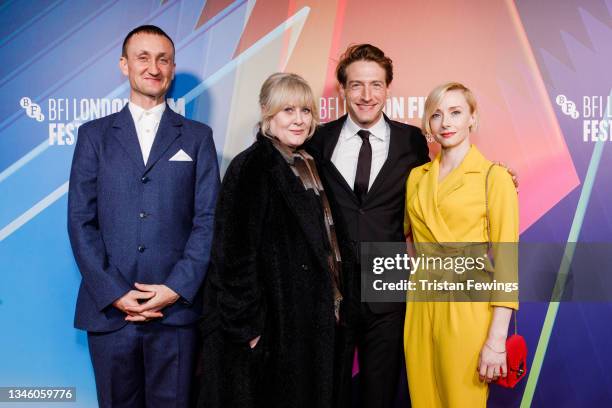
x,y
380,217
130,223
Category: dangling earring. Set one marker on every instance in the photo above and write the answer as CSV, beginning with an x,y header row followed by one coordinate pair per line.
x,y
429,138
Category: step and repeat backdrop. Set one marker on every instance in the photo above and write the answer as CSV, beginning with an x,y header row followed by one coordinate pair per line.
x,y
541,72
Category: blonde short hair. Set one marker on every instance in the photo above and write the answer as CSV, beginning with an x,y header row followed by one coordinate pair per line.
x,y
282,89
435,96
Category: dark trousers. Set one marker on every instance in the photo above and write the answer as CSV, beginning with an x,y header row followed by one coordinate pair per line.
x,y
379,340
144,365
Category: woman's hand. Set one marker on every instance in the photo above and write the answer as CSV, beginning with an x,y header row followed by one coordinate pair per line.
x,y
253,342
492,360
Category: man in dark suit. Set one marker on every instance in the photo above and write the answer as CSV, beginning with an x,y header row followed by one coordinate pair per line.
x,y
143,187
366,160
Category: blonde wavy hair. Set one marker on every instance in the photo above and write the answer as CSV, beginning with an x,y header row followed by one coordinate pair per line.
x,y
282,89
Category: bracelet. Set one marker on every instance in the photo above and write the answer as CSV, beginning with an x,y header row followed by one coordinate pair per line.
x,y
492,349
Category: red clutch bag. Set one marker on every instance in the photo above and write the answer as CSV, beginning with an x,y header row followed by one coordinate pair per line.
x,y
516,359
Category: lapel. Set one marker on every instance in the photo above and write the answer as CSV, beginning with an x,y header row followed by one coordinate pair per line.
x,y
427,194
330,135
299,202
125,132
471,164
430,192
395,141
169,129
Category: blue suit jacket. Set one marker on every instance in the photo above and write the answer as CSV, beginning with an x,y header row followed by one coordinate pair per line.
x,y
130,223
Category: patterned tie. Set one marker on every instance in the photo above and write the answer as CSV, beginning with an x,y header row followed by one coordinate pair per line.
x,y
364,163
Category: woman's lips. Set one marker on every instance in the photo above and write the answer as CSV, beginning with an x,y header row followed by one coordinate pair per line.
x,y
447,135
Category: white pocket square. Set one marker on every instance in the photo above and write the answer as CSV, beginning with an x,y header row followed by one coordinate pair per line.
x,y
181,156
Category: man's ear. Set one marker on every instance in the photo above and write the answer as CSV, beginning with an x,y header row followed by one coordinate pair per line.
x,y
341,91
123,65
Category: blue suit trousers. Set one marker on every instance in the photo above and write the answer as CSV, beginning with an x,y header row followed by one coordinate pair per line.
x,y
144,365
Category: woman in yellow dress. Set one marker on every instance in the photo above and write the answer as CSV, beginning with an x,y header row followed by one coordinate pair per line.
x,y
454,349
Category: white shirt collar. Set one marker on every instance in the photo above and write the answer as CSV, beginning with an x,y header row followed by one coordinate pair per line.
x,y
138,112
379,130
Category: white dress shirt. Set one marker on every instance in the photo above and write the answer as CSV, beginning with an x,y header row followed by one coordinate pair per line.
x,y
346,152
147,123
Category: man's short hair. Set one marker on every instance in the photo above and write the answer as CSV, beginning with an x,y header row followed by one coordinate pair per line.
x,y
364,52
147,29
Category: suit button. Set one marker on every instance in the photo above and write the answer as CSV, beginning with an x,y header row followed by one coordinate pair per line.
x,y
141,248
144,179
143,214
361,211
305,267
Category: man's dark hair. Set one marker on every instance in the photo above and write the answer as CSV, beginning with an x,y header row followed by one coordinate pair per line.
x,y
363,52
147,29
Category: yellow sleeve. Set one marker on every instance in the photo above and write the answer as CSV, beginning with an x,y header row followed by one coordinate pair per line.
x,y
504,225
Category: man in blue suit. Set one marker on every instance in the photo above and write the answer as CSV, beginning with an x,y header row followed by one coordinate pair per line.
x,y
143,187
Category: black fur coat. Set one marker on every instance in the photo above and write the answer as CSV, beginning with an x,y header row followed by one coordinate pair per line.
x,y
269,278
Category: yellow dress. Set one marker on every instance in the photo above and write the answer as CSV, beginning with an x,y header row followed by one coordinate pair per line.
x,y
442,340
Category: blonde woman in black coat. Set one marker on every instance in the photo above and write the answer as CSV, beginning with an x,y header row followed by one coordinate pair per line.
x,y
274,290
